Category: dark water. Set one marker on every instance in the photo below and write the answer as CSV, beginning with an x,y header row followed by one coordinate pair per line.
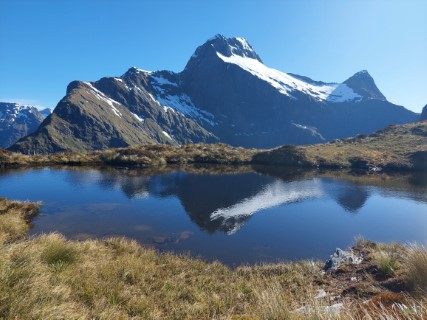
x,y
257,215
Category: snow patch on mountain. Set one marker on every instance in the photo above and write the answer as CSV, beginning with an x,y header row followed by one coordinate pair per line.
x,y
167,108
101,96
124,83
244,43
167,135
116,112
137,117
162,81
177,101
135,69
287,84
13,111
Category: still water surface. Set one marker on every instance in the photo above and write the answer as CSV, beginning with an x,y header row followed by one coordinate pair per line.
x,y
234,215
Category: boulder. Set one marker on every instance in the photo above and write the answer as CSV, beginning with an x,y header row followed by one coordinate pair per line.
x,y
339,257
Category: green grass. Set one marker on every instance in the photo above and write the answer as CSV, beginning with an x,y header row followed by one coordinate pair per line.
x,y
59,254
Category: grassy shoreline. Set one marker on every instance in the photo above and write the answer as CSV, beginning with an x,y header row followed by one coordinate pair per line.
x,y
51,277
395,148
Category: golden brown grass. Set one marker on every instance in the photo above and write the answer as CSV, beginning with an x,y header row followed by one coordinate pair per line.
x,y
394,148
416,268
15,218
49,277
401,147
137,156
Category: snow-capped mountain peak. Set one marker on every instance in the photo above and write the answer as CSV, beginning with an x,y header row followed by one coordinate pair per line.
x,y
17,121
289,85
232,46
363,84
221,45
10,112
238,52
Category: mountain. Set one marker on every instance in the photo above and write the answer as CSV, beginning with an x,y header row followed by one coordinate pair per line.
x,y
423,115
225,93
115,112
45,112
16,121
256,106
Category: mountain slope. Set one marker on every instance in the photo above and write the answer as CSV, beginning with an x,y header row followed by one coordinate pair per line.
x,y
396,147
112,112
225,93
16,121
423,115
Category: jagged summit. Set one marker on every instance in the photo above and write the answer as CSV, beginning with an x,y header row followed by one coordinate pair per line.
x,y
221,46
363,84
135,70
232,46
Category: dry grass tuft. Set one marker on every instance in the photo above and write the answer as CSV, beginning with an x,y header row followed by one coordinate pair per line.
x,y
416,269
58,253
15,217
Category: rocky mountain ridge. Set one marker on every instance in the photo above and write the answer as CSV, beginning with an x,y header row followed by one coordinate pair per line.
x,y
16,121
224,94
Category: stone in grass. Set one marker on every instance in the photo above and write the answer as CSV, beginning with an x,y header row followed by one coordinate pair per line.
x,y
339,257
333,309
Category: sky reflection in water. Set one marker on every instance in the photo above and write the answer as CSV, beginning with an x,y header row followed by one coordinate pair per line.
x,y
247,217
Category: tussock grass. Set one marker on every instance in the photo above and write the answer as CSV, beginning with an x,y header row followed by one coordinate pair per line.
x,y
402,147
416,269
398,147
389,257
59,254
15,217
117,278
49,277
137,156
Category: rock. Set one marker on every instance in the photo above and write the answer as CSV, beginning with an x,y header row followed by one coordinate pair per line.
x,y
185,235
335,298
175,238
320,294
339,257
332,309
335,308
375,169
160,239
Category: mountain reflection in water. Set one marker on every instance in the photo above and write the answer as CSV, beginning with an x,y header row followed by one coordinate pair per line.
x,y
88,202
223,202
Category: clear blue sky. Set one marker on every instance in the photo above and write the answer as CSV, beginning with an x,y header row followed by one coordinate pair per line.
x,y
46,44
